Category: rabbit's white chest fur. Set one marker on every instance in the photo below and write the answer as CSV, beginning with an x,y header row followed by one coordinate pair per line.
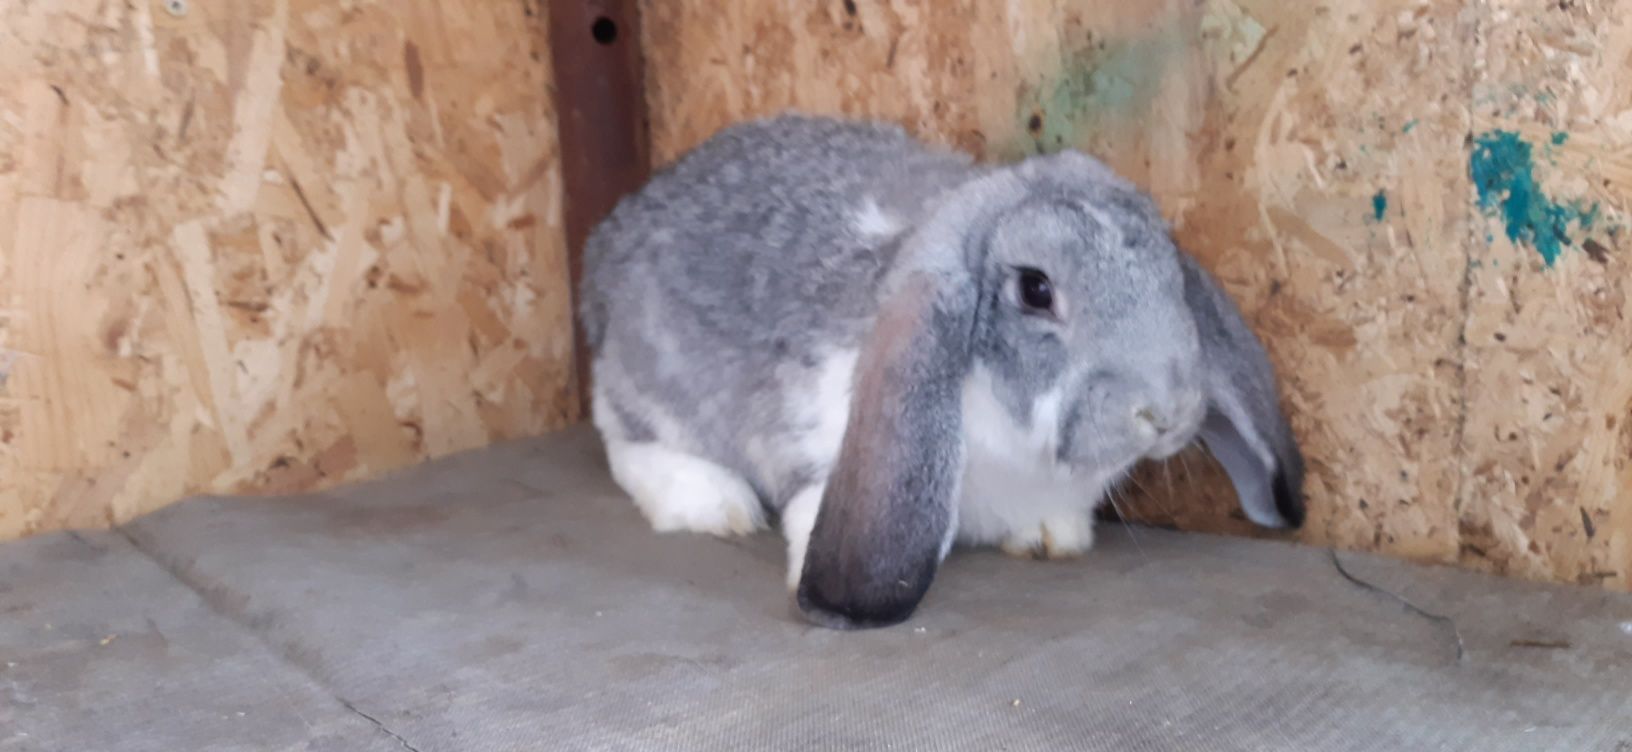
x,y
1014,493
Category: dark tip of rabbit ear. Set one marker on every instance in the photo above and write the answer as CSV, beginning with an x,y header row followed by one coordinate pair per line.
x,y
848,613
1289,500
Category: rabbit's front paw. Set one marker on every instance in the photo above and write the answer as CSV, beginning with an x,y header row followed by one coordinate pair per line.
x,y
682,492
1064,537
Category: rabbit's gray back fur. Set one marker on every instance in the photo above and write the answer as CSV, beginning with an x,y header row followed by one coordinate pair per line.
x,y
717,341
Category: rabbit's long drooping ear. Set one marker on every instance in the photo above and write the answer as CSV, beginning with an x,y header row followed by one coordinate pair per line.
x,y
1244,428
889,508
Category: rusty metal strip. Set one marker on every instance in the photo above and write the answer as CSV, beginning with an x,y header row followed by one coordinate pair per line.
x,y
601,115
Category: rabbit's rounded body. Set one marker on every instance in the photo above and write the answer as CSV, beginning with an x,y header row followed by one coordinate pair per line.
x,y
726,305
759,313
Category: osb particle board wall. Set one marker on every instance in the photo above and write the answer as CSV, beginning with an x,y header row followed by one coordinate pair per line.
x,y
1418,204
264,245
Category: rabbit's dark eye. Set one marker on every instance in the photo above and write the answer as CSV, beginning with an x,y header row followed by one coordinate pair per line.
x,y
1036,292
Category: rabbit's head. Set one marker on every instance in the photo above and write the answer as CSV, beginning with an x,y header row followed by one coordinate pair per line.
x,y
1058,285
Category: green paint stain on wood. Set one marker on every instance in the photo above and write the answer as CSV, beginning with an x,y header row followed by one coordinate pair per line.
x,y
1379,205
1410,125
1502,167
1560,137
1103,83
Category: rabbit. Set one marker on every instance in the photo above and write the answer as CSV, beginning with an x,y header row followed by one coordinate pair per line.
x,y
886,347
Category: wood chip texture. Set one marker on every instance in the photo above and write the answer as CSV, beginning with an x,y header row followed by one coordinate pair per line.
x,y
260,246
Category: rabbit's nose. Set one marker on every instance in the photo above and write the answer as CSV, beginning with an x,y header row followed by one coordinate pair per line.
x,y
1169,403
1162,431
1158,420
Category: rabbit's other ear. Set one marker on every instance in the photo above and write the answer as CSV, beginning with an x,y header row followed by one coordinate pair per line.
x,y
1244,428
889,510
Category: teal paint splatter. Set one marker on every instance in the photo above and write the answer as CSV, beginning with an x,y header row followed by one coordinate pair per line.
x,y
1379,205
1560,137
1409,126
1589,217
1502,167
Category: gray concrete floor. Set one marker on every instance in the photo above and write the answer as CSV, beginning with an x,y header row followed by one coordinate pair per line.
x,y
511,599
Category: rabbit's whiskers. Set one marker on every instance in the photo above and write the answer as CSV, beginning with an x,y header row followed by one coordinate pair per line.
x,y
1111,494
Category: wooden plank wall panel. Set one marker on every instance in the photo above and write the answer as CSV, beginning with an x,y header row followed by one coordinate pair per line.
x,y
269,245
1548,456
1317,156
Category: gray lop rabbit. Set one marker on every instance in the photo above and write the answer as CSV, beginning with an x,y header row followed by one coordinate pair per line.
x,y
888,348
